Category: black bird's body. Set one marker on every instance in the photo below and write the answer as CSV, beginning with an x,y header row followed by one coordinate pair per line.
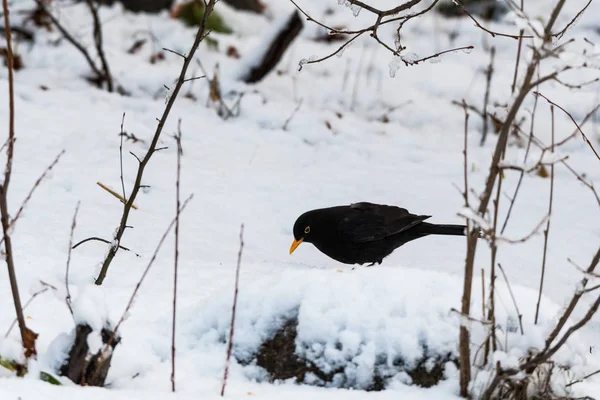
x,y
363,233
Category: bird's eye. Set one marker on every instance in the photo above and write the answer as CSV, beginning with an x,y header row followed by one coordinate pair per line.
x,y
307,230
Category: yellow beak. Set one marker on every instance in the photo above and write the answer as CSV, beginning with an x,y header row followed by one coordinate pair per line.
x,y
295,244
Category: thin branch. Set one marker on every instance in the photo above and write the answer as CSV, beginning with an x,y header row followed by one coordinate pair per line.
x,y
420,60
583,379
486,98
176,53
99,46
34,187
70,38
512,296
121,157
573,120
583,122
288,120
547,230
103,241
46,287
73,225
176,261
519,46
233,311
483,28
560,34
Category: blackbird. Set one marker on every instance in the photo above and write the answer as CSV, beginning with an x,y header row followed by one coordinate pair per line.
x,y
364,232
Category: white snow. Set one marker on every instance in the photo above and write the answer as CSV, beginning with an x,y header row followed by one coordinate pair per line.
x,y
360,135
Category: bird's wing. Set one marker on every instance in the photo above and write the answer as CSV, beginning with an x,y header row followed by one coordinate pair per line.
x,y
371,222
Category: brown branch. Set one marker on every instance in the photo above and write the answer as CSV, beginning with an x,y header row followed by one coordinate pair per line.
x,y
583,379
176,261
99,46
464,349
373,29
486,98
583,122
483,28
73,225
233,311
573,120
420,60
142,165
71,39
103,241
519,46
27,336
560,34
121,159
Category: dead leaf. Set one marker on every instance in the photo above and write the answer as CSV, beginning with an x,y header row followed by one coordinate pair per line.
x,y
137,45
232,52
542,172
29,342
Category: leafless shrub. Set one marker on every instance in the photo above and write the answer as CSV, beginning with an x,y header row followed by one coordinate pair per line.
x,y
102,75
28,337
173,93
381,17
483,222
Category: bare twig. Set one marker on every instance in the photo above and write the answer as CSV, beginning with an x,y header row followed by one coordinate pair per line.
x,y
547,230
33,188
572,119
46,287
73,225
121,159
583,379
583,122
519,46
483,294
99,47
233,311
486,98
27,336
373,30
103,241
102,76
512,296
289,119
176,261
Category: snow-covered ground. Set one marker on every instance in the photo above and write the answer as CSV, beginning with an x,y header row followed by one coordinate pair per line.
x,y
336,149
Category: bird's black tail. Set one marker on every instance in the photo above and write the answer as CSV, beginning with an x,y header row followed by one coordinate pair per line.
x,y
434,229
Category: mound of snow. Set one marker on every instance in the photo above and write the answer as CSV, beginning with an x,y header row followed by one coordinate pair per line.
x,y
366,328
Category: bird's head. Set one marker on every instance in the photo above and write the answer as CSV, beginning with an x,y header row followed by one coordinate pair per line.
x,y
302,231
